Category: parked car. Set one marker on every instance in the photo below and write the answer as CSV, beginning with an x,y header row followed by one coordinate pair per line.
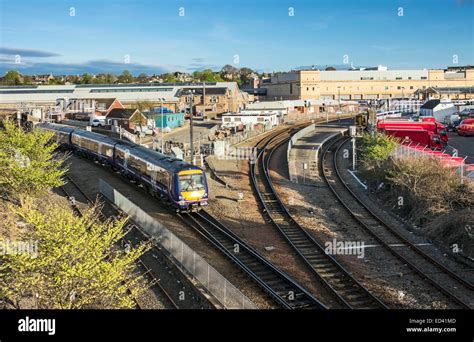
x,y
142,130
452,122
467,112
466,127
97,122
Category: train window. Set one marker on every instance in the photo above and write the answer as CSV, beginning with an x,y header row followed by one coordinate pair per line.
x,y
109,152
191,182
137,164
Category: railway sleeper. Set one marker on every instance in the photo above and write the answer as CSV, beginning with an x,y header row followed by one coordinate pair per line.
x,y
308,248
265,275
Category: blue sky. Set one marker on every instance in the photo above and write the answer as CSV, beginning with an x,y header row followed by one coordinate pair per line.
x,y
211,33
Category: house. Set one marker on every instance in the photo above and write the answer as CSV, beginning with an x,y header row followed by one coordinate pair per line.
x,y
206,100
115,104
42,79
126,118
170,120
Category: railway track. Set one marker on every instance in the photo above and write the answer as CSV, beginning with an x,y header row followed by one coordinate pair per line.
x,y
419,261
328,271
283,290
280,287
78,198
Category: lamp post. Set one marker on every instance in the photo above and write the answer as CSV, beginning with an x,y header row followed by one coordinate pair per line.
x,y
339,100
190,92
162,126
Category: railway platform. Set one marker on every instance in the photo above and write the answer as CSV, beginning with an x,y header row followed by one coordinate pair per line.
x,y
303,155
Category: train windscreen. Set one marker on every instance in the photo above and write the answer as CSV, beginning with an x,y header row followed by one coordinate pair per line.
x,y
191,182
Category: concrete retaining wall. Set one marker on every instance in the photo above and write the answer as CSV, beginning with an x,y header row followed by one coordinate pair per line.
x,y
291,143
292,163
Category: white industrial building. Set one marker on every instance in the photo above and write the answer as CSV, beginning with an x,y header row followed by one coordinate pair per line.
x,y
270,107
268,119
438,109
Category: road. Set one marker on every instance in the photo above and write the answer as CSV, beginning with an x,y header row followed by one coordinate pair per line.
x,y
464,145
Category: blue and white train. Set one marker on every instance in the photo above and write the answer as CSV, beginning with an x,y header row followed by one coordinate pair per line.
x,y
181,184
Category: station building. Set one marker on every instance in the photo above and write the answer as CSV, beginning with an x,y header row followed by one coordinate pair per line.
x,y
220,97
369,84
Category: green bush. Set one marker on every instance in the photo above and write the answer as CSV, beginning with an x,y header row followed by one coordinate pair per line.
x,y
377,148
374,153
28,163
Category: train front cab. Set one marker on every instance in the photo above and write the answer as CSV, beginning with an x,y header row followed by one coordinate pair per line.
x,y
191,189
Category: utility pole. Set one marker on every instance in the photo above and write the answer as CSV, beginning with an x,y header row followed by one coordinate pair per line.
x,y
353,153
162,126
203,99
353,134
191,124
339,97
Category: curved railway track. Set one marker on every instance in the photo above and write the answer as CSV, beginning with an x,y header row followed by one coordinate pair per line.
x,y
283,290
419,261
75,196
328,271
279,286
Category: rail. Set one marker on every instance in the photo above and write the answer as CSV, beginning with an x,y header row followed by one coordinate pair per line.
x,y
367,219
345,288
222,289
282,289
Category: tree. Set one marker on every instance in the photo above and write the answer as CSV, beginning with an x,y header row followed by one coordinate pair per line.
x,y
28,163
76,263
12,77
100,79
110,78
229,72
210,76
27,80
142,78
229,69
169,78
197,76
126,77
87,78
144,106
55,81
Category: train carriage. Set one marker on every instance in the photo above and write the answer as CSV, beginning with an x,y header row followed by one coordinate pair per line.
x,y
184,185
93,145
181,184
62,133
